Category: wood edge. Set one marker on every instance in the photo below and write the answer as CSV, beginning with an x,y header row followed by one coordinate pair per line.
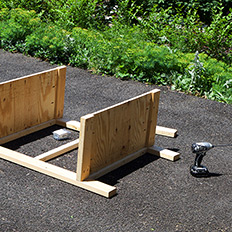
x,y
152,118
58,151
56,172
165,131
164,153
84,151
27,131
117,164
70,124
34,74
126,101
60,92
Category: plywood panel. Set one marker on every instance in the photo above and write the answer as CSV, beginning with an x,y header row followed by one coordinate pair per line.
x,y
120,130
6,110
60,89
30,100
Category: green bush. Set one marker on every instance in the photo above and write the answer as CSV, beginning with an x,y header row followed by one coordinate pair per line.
x,y
189,34
18,25
120,50
49,43
46,9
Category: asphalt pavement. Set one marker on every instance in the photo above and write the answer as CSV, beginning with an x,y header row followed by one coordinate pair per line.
x,y
153,194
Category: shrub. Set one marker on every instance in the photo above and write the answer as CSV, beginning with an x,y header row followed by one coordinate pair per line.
x,y
49,43
18,25
123,51
189,34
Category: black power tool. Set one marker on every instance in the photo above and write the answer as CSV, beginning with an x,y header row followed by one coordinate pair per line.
x,y
200,150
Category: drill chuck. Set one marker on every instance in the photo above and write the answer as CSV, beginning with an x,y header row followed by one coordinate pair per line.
x,y
201,147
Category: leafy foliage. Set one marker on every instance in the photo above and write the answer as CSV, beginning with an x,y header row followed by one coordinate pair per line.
x,y
157,47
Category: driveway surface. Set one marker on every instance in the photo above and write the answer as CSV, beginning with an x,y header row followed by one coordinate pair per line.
x,y
154,194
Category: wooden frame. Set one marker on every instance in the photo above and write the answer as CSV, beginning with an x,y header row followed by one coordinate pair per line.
x,y
108,138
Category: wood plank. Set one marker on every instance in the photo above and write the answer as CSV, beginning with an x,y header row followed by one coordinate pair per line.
x,y
31,100
85,147
34,100
27,131
6,110
152,120
35,74
126,101
60,90
56,172
58,151
121,130
70,124
160,130
164,153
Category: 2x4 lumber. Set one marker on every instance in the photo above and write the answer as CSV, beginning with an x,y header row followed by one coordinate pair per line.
x,y
160,130
60,90
152,118
70,124
58,151
27,131
85,147
56,172
164,153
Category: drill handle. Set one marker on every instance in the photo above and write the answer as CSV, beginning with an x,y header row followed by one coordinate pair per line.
x,y
199,158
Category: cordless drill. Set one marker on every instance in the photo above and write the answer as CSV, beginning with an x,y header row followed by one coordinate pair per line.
x,y
200,150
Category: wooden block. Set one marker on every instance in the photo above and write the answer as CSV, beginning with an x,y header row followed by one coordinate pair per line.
x,y
71,124
58,151
164,153
56,172
160,130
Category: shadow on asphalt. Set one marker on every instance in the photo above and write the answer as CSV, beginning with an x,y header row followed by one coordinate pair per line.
x,y
113,177
27,139
209,175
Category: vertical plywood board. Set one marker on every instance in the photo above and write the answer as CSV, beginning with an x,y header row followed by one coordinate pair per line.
x,y
119,131
85,147
28,101
60,90
152,119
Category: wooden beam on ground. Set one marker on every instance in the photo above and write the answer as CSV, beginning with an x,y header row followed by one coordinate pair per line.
x,y
58,151
27,131
56,172
160,130
164,153
70,124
